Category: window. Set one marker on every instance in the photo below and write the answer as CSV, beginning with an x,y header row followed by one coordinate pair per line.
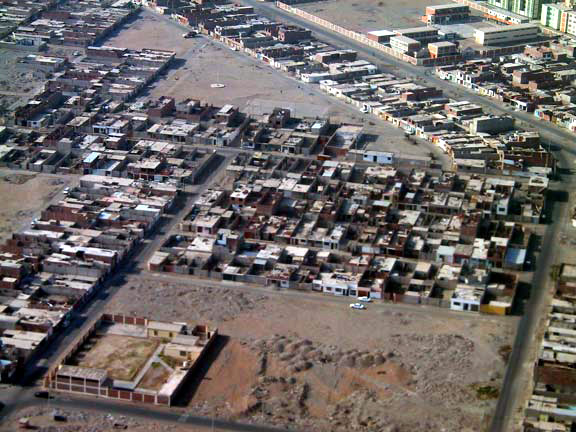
x,y
456,303
522,5
155,333
183,353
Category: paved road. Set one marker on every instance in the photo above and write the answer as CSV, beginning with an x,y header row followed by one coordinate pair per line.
x,y
180,417
561,139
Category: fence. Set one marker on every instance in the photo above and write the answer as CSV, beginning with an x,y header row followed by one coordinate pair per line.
x,y
416,300
53,381
358,37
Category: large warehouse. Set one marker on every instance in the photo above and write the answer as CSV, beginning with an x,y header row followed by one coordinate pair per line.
x,y
508,35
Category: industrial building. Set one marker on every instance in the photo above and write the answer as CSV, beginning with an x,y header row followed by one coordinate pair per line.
x,y
445,14
507,35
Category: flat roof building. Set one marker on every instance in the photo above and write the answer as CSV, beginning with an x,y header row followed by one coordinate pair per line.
x,y
507,35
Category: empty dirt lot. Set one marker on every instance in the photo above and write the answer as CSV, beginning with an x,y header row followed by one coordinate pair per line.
x,y
202,62
23,196
121,356
313,363
369,15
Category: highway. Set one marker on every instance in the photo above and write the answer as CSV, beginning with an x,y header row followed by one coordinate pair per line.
x,y
561,140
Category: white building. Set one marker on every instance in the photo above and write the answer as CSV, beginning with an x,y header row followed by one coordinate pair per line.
x,y
507,35
338,283
467,298
379,157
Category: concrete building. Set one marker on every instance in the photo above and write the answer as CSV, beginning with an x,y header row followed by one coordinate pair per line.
x,y
404,44
381,36
442,49
507,35
421,34
570,23
445,14
528,8
555,16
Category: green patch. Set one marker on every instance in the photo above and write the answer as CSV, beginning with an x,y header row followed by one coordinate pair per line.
x,y
170,361
505,351
555,272
486,392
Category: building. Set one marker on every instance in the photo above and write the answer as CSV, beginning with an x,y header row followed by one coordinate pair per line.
x,y
528,8
445,14
421,34
442,49
507,35
555,16
571,23
404,44
381,36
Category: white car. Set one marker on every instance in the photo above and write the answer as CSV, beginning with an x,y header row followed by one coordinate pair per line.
x,y
365,299
357,306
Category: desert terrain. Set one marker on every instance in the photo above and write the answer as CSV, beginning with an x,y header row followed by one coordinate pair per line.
x,y
309,361
24,195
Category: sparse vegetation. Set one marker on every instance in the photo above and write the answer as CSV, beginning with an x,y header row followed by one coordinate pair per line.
x,y
486,392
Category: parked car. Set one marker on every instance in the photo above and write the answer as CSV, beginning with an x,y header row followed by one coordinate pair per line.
x,y
43,394
365,299
357,306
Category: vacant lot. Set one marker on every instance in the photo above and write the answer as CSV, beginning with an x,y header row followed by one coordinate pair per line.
x,y
23,196
310,361
121,356
202,62
369,15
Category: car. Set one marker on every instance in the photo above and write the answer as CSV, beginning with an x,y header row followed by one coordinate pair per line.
x,y
359,306
365,299
43,394
66,190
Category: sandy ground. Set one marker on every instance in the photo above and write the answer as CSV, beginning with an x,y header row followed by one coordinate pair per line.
x,y
23,196
320,366
369,15
17,81
121,356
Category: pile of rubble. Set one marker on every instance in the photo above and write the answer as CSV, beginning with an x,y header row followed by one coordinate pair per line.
x,y
303,354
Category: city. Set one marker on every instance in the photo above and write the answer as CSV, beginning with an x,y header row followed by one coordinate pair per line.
x,y
299,215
